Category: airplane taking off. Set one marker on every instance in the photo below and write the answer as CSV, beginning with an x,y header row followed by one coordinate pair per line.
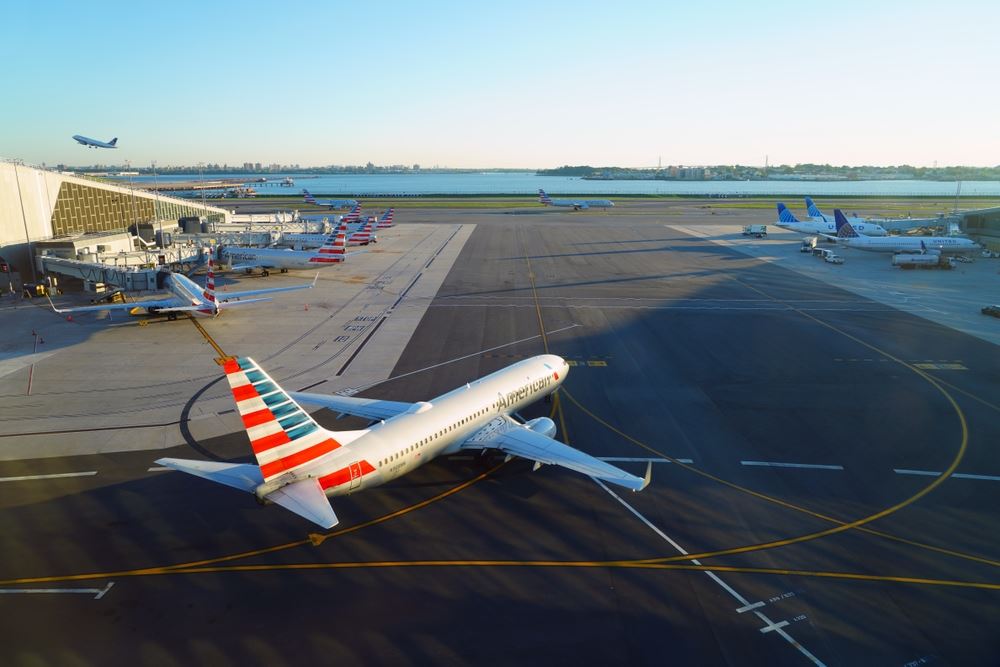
x,y
94,143
246,259
577,204
332,203
187,296
848,237
300,463
787,220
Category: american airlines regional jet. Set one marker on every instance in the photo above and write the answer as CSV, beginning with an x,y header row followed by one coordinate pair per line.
x,y
246,259
187,296
577,204
332,203
300,463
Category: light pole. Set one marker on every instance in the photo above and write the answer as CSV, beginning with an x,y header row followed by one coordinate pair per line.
x,y
156,203
201,178
135,219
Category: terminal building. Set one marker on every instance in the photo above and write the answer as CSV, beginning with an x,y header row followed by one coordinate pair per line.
x,y
983,226
39,205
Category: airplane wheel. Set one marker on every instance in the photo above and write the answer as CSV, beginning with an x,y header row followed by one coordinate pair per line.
x,y
284,270
171,317
265,273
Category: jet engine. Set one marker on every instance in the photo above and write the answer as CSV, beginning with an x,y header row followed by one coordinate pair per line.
x,y
542,425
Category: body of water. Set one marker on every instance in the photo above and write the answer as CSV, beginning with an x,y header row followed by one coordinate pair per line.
x,y
528,183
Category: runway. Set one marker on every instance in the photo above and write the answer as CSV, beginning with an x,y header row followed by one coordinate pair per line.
x,y
823,493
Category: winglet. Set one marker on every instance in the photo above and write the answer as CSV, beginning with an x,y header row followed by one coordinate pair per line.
x,y
648,477
53,305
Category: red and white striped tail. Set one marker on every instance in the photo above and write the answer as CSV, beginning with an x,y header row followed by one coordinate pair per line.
x,y
386,219
353,214
334,250
209,292
282,435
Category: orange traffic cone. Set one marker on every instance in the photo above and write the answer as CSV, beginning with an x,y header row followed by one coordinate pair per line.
x,y
69,318
307,306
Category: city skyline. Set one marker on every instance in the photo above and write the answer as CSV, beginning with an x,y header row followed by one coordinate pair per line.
x,y
511,86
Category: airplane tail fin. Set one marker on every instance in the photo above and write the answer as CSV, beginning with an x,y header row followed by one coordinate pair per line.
x,y
813,209
544,198
334,250
308,196
209,292
353,214
284,439
844,228
282,435
386,219
784,215
113,141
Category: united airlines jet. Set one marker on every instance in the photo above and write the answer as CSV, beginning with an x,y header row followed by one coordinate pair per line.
x,y
94,143
299,463
187,296
849,237
787,220
577,204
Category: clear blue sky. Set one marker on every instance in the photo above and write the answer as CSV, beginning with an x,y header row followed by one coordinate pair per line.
x,y
533,84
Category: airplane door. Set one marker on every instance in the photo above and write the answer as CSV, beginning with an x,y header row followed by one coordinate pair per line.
x,y
355,476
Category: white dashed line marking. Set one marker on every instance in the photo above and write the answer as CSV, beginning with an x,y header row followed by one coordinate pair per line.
x,y
25,478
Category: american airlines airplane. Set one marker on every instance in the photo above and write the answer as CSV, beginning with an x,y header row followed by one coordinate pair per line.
x,y
787,220
577,204
94,143
187,296
848,237
246,259
332,203
360,236
300,463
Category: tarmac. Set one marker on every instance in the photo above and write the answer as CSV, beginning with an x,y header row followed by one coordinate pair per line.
x,y
823,491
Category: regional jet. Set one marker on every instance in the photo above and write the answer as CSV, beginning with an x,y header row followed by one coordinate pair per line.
x,y
332,203
247,259
94,143
299,463
849,237
187,296
360,236
577,204
787,220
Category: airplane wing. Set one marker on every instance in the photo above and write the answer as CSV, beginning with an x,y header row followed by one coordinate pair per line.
x,y
369,408
155,303
242,476
513,438
307,499
231,296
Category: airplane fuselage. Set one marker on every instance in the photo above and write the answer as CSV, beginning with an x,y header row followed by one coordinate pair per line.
x,y
403,443
943,244
277,258
94,143
815,226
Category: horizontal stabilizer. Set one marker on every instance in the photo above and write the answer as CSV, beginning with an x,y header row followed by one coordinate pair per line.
x,y
369,408
242,476
306,498
229,303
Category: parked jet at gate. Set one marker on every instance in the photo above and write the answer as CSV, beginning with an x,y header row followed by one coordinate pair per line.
x,y
577,204
300,463
187,296
362,235
819,216
332,203
848,237
94,143
787,220
246,259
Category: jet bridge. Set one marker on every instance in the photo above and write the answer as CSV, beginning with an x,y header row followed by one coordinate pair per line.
x,y
90,273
